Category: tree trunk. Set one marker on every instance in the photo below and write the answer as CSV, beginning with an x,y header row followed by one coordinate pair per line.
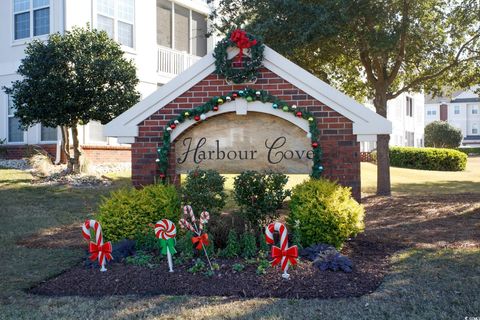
x,y
65,147
383,155
76,149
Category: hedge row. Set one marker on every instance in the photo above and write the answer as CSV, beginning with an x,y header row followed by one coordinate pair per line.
x,y
439,159
470,151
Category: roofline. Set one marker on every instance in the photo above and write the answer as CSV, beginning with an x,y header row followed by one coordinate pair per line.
x,y
365,121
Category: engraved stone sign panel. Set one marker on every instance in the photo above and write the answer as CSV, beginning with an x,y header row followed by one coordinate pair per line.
x,y
231,143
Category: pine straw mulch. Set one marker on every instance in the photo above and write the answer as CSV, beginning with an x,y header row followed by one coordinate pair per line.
x,y
391,224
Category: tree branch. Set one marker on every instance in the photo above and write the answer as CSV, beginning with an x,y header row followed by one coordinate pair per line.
x,y
401,50
427,77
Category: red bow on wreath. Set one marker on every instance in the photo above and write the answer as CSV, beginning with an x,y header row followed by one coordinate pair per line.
x,y
200,241
290,254
101,251
242,41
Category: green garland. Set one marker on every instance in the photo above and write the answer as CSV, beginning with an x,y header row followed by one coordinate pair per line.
x,y
249,94
249,70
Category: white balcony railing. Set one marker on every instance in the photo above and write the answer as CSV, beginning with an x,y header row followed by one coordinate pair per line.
x,y
173,62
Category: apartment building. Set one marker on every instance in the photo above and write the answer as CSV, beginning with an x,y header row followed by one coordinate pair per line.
x,y
162,37
406,112
461,110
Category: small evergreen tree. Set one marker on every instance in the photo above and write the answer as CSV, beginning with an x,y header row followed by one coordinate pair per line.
x,y
441,134
232,249
249,245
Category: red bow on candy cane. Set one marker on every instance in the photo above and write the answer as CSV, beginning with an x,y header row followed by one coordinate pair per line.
x,y
200,240
290,254
101,251
242,41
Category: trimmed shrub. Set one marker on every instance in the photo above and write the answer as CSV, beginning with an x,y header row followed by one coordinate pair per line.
x,y
127,212
322,211
470,151
259,195
249,245
441,134
232,249
428,158
203,190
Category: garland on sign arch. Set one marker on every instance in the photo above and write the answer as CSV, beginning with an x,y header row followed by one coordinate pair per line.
x,y
250,65
199,114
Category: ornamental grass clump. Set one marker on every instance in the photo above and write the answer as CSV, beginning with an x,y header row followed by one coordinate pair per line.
x,y
128,212
322,211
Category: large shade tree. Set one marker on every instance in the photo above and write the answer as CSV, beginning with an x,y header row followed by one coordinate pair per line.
x,y
72,79
375,49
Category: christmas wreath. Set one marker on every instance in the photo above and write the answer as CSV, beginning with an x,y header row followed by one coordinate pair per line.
x,y
250,95
249,63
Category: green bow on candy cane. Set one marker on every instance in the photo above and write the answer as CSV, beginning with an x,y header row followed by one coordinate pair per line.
x,y
170,244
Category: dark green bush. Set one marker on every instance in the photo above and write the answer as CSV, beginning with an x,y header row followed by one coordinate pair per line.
x,y
428,158
249,245
128,212
232,249
259,195
321,211
203,190
470,151
441,134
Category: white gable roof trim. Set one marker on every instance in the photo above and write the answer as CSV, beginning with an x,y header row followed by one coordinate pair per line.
x,y
366,123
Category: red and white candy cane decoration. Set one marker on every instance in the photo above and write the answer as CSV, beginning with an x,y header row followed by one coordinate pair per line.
x,y
201,238
284,255
98,249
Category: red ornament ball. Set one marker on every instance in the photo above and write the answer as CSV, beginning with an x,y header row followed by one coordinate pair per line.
x,y
299,114
234,94
162,175
215,108
314,144
173,126
197,118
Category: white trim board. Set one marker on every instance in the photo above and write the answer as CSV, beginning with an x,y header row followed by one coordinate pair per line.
x,y
365,121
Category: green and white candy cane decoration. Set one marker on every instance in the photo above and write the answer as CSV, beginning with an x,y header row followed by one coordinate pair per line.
x,y
250,95
166,231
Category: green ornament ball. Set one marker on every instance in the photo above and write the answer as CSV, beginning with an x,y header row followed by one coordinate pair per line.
x,y
285,108
249,99
220,101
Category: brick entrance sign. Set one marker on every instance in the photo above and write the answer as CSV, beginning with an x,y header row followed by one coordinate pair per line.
x,y
342,123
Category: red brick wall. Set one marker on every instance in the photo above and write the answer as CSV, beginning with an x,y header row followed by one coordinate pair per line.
x,y
341,152
23,151
107,154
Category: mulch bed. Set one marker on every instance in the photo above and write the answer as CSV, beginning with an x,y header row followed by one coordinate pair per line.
x,y
370,265
392,223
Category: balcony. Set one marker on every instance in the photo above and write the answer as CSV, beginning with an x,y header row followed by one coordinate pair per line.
x,y
172,62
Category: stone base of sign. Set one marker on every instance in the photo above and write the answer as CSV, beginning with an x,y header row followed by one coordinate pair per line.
x,y
341,151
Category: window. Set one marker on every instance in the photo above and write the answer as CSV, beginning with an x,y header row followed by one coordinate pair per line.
x,y
164,23
185,32
474,109
475,128
409,139
31,18
48,133
456,110
15,133
199,32
116,18
409,106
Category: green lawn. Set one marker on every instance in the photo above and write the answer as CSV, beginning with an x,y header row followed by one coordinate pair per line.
x,y
423,283
410,181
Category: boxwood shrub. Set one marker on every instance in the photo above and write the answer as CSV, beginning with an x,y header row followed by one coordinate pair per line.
x,y
322,211
128,212
440,159
470,151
